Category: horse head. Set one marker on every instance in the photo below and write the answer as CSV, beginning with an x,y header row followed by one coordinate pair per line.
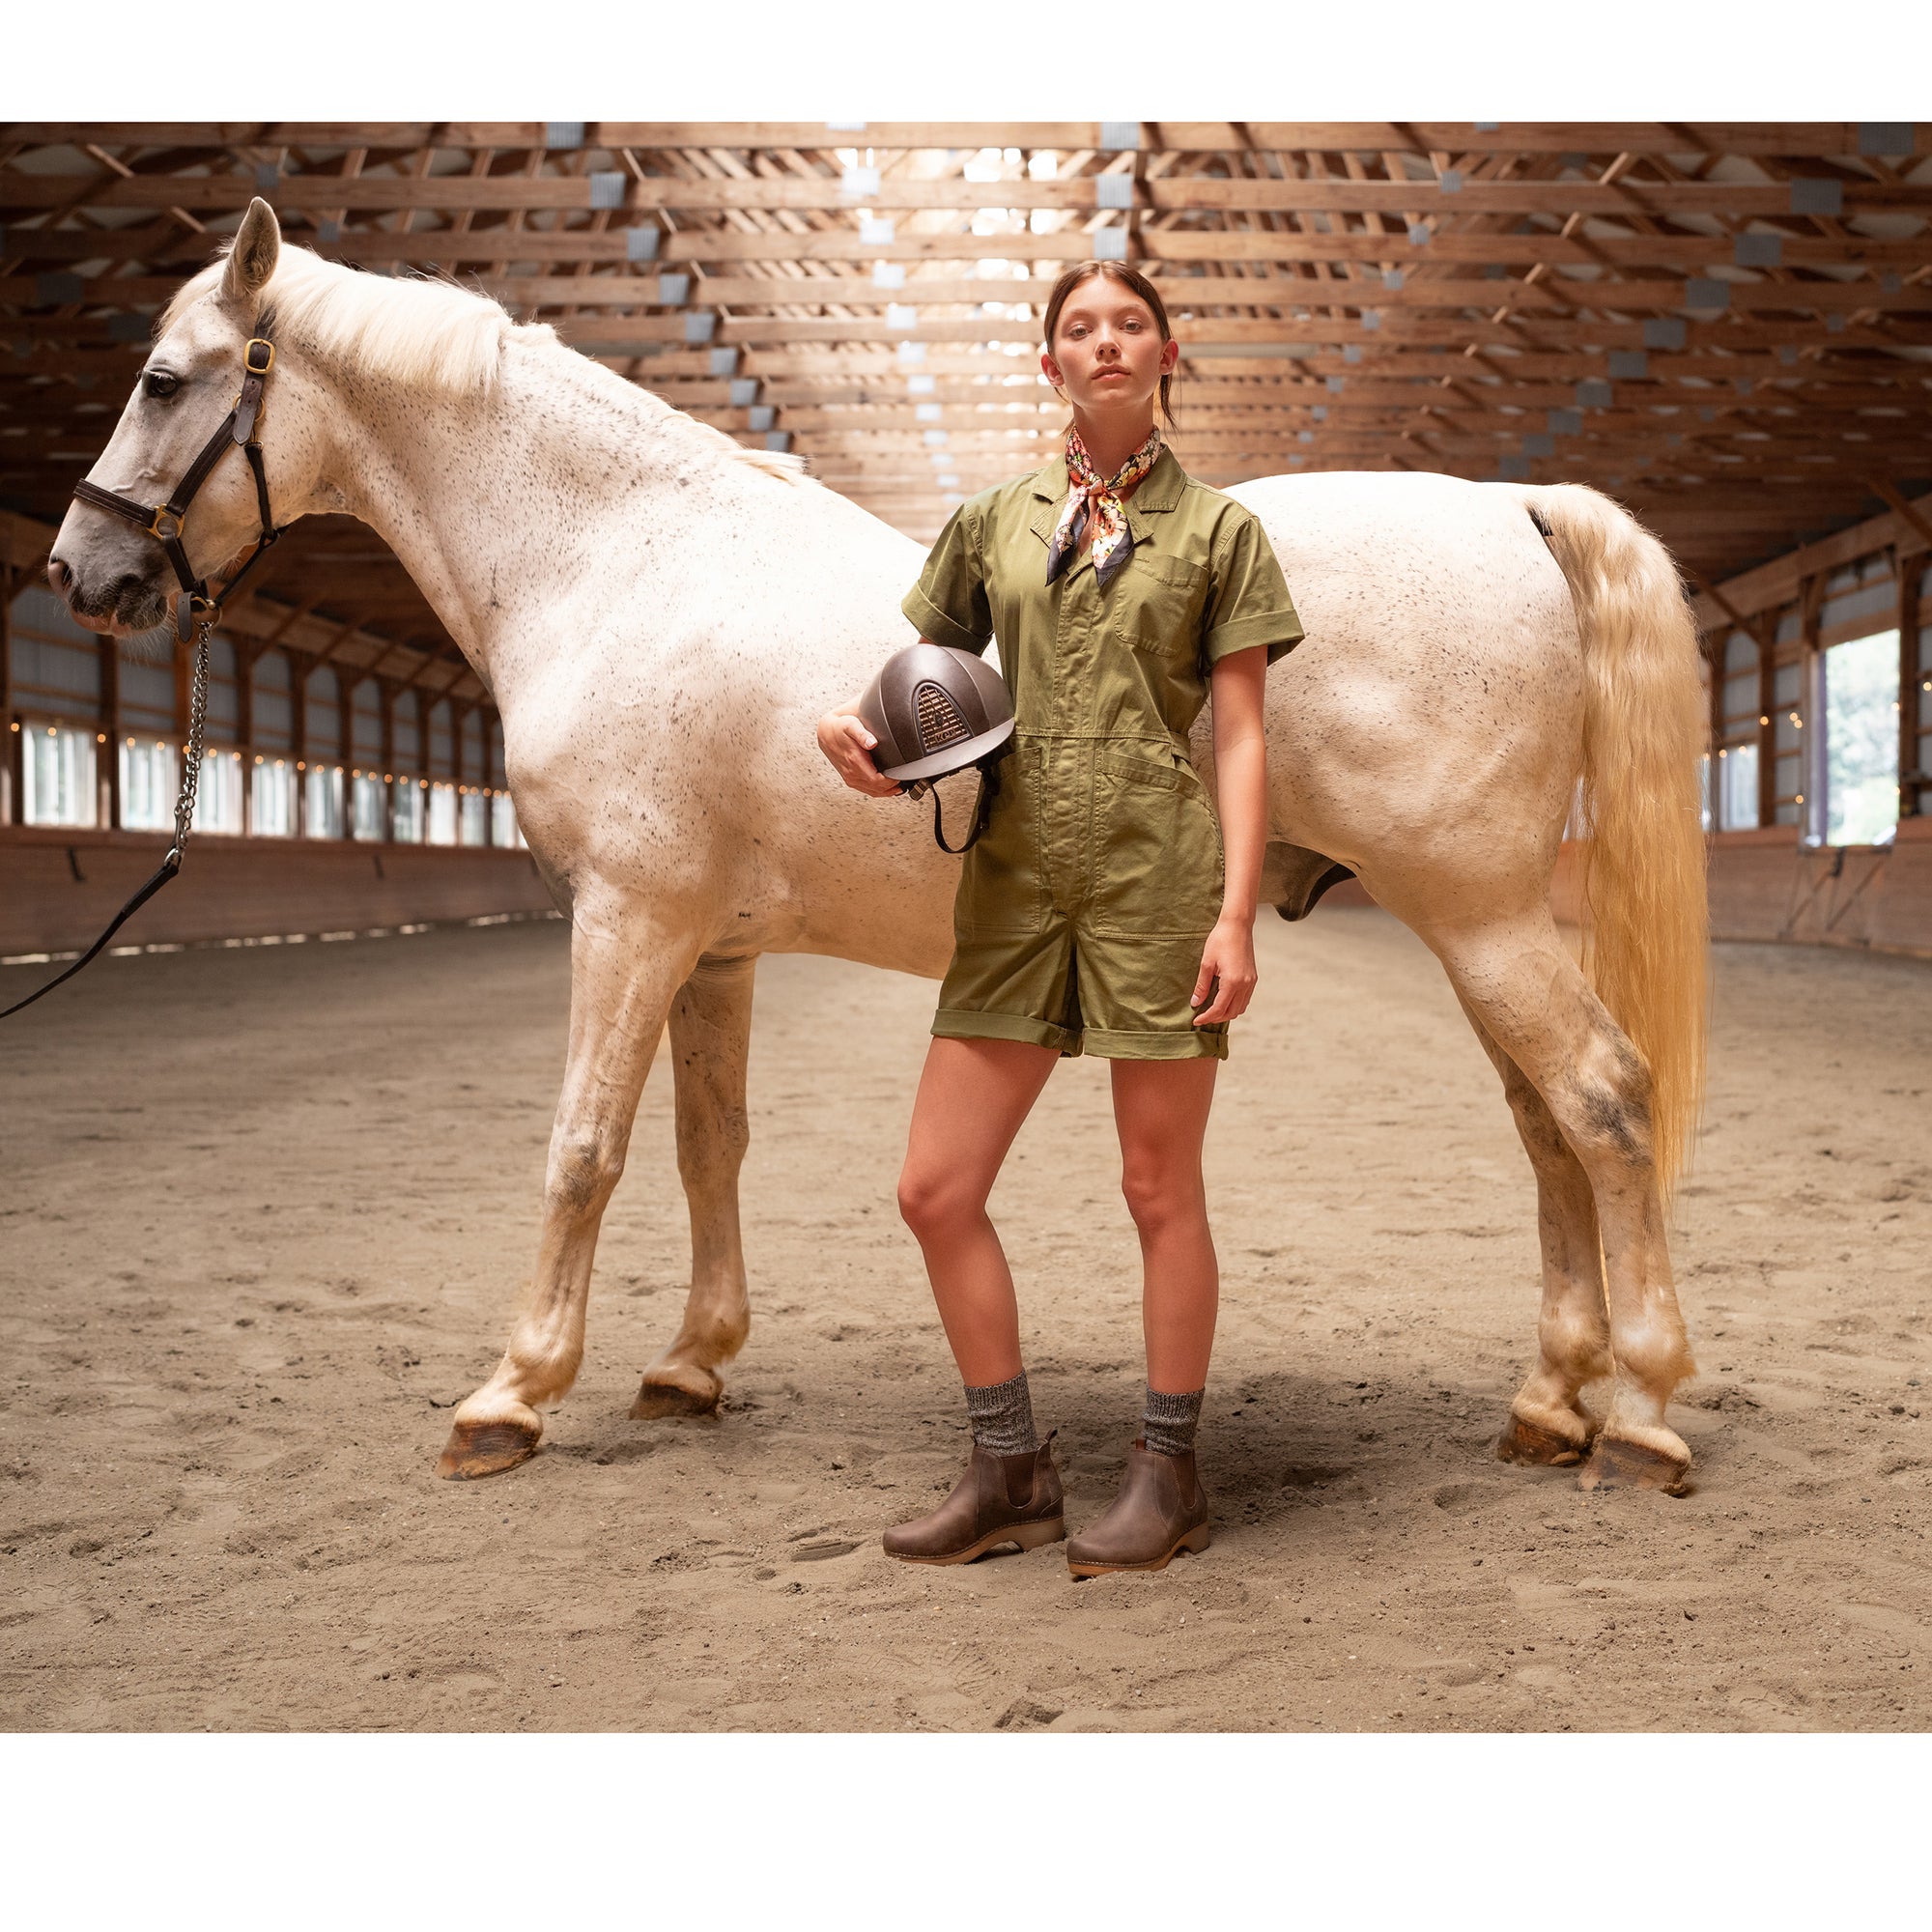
x,y
115,577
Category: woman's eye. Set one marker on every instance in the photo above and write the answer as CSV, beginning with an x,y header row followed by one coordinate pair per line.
x,y
160,384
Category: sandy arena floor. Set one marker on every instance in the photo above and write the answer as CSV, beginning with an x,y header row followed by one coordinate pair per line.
x,y
264,1213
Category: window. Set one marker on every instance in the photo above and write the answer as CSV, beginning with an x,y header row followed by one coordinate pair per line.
x,y
1862,741
369,806
504,821
274,799
407,803
442,814
322,801
149,782
217,796
1737,788
57,767
475,818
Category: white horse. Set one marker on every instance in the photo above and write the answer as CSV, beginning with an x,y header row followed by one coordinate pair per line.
x,y
662,616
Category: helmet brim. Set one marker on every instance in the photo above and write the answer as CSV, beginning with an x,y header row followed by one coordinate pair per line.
x,y
954,758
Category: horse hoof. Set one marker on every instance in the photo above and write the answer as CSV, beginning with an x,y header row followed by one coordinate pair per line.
x,y
1528,1442
1618,1464
662,1399
485,1449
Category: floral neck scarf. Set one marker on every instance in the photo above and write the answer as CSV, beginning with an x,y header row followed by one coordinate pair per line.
x,y
1087,494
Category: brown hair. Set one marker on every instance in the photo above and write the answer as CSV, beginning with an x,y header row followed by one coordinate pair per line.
x,y
1135,283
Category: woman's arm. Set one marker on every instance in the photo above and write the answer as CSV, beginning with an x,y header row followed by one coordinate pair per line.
x,y
1241,788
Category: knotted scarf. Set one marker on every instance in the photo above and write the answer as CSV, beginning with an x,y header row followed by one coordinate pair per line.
x,y
1088,494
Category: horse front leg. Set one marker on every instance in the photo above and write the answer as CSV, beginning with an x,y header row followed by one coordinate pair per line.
x,y
1547,1422
710,1041
623,972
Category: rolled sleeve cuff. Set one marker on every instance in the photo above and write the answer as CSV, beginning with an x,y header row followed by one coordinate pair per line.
x,y
1279,630
930,621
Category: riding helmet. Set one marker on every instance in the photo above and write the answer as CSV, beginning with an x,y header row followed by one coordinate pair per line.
x,y
936,710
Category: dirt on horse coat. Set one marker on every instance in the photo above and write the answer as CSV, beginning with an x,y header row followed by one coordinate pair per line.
x,y
662,616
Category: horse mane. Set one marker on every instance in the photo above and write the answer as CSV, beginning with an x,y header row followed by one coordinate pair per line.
x,y
424,332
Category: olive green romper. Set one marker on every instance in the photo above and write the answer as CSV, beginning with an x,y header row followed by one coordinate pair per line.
x,y
1083,910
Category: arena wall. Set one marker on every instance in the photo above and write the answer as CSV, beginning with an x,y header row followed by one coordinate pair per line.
x,y
60,886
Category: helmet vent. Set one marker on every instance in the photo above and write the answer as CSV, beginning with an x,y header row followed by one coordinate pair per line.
x,y
941,722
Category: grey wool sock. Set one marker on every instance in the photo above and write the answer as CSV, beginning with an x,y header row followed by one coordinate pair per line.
x,y
1169,1421
1002,1417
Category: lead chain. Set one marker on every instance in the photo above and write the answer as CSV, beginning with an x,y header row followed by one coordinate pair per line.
x,y
197,719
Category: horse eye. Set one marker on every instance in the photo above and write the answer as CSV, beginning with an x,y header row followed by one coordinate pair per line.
x,y
160,384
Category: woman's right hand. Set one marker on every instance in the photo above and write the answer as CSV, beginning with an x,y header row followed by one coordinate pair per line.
x,y
843,738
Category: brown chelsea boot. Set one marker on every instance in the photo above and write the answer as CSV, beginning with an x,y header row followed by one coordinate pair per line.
x,y
1161,1509
999,1499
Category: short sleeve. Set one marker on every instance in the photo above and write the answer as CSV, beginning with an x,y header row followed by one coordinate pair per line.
x,y
1249,604
949,602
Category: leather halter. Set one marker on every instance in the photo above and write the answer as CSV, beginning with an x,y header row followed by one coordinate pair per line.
x,y
164,521
196,612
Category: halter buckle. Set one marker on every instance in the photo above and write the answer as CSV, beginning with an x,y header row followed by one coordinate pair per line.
x,y
165,526
262,364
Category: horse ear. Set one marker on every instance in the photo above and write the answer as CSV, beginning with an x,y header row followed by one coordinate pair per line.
x,y
258,245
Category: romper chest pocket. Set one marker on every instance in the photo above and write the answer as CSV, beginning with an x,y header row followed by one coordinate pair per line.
x,y
1159,603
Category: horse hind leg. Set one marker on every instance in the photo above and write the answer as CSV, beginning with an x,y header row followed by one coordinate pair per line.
x,y
1535,1005
1547,1422
710,1038
622,975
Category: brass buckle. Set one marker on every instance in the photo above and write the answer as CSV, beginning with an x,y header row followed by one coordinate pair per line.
x,y
267,361
167,526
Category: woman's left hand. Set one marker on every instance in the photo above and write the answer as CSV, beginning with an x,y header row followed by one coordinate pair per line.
x,y
1229,958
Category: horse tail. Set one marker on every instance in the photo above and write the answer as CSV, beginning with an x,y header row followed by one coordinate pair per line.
x,y
1647,929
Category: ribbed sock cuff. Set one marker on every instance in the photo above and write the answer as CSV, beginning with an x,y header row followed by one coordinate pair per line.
x,y
1002,1417
1168,1422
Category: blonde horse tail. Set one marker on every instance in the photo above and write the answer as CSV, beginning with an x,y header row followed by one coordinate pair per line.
x,y
1646,934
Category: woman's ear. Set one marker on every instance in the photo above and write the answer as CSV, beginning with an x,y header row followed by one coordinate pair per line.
x,y
1050,369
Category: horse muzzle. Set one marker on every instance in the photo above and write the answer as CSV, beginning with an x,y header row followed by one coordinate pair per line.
x,y
117,598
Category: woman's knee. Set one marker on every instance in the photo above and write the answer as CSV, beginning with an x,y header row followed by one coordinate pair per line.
x,y
1160,1199
933,1202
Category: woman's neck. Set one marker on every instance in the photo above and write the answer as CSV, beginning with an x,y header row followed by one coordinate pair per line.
x,y
1109,440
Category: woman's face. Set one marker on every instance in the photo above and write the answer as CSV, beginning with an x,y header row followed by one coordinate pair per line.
x,y
1107,356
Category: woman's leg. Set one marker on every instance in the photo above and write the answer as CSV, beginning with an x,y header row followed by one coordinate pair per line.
x,y
973,1098
1161,1109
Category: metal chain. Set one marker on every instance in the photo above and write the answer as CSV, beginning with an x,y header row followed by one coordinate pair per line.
x,y
197,718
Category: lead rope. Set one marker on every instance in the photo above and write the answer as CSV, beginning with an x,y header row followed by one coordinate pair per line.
x,y
197,718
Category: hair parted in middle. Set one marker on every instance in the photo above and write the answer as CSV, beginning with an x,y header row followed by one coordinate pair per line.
x,y
1136,284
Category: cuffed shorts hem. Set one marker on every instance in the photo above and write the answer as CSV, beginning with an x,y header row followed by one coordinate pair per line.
x,y
1104,1043
1197,1043
964,1023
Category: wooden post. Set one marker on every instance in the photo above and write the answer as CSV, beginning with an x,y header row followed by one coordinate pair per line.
x,y
1813,818
13,779
244,732
1911,712
107,733
298,739
345,746
386,692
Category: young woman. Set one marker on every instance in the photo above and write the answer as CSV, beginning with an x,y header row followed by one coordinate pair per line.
x,y
1099,912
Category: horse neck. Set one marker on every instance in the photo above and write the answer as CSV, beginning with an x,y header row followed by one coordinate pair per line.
x,y
499,505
